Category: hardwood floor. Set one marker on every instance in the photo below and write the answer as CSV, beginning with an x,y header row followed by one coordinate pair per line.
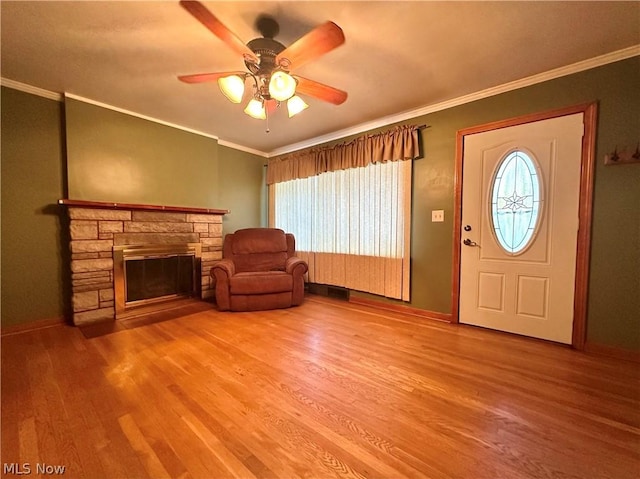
x,y
327,389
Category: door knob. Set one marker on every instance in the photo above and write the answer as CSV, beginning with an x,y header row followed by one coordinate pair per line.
x,y
468,242
467,227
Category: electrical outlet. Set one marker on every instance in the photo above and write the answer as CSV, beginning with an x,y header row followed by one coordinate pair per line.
x,y
437,216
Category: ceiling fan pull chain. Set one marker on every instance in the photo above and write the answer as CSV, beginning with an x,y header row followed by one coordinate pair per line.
x,y
266,113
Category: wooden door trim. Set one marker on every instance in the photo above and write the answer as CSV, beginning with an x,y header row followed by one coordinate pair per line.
x,y
585,212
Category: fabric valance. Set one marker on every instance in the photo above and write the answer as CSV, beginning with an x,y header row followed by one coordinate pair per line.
x,y
398,144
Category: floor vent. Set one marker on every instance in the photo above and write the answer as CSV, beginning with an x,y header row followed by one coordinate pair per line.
x,y
330,291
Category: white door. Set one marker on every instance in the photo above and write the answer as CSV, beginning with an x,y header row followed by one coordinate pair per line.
x,y
520,200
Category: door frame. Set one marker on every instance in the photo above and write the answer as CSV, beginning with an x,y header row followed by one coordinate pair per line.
x,y
585,208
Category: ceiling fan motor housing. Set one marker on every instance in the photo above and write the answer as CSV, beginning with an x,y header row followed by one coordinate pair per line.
x,y
266,49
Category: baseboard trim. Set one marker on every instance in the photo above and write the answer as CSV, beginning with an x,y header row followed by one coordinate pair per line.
x,y
32,326
400,308
612,352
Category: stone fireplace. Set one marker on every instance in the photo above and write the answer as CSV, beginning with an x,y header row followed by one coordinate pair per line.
x,y
100,232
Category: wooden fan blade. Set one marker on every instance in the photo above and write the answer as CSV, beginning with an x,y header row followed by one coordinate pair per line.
x,y
317,42
206,77
216,27
320,91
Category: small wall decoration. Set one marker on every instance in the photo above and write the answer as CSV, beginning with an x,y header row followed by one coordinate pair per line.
x,y
626,156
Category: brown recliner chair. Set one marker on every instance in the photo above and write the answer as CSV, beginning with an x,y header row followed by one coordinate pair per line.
x,y
259,271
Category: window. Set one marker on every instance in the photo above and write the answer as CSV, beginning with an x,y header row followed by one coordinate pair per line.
x,y
352,226
516,202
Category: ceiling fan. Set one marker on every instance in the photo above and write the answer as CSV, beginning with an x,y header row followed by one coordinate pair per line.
x,y
269,64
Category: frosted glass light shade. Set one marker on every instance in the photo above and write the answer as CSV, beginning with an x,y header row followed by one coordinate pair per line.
x,y
232,87
282,86
255,109
295,105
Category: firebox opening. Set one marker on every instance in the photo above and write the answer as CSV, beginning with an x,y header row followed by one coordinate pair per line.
x,y
157,277
147,274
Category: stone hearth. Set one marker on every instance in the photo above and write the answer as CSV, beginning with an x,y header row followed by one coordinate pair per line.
x,y
97,227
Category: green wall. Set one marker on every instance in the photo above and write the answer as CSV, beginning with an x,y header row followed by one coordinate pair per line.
x,y
32,182
121,158
242,191
614,288
109,156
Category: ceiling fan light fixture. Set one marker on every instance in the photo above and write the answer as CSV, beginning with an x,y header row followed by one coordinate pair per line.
x,y
232,87
268,63
282,86
255,109
295,105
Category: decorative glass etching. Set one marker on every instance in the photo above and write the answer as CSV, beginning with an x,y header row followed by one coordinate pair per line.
x,y
515,202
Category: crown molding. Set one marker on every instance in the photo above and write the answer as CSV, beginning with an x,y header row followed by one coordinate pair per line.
x,y
16,85
60,97
489,92
138,115
363,127
246,149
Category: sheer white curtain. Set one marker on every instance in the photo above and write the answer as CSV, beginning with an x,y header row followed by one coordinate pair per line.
x,y
352,226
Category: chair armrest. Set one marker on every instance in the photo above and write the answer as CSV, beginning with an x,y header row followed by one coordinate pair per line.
x,y
224,267
221,274
296,266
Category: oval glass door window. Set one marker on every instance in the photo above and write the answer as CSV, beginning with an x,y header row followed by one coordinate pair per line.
x,y
515,202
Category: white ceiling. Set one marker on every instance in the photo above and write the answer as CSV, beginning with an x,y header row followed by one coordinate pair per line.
x,y
398,56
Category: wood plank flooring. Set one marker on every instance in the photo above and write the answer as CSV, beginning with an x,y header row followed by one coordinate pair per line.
x,y
325,390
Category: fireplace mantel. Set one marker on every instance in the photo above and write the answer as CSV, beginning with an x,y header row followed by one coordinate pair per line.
x,y
138,207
